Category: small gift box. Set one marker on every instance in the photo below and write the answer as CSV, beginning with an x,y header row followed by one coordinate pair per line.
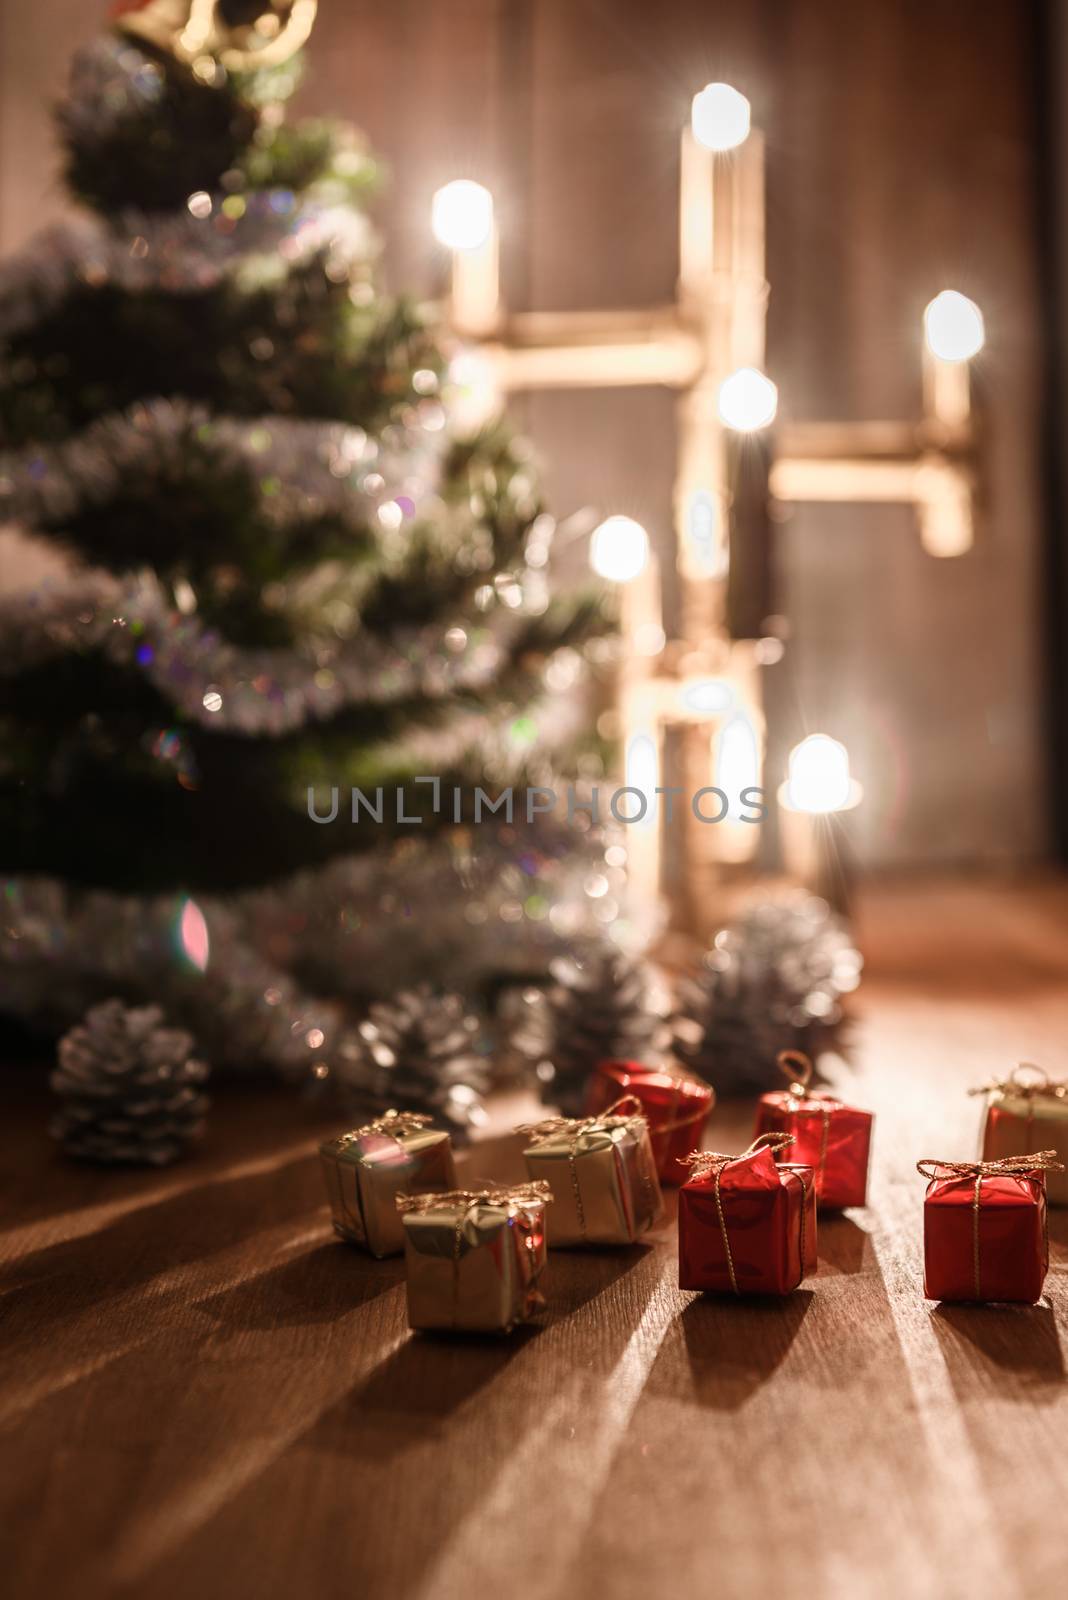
x,y
1028,1109
832,1138
984,1228
747,1224
601,1173
473,1256
675,1107
365,1171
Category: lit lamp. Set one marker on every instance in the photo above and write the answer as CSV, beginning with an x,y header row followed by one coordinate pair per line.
x,y
819,787
620,552
747,401
953,332
462,218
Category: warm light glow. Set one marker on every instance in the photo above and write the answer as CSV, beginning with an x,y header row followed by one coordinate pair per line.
x,y
747,400
619,549
818,778
193,935
953,327
643,774
461,215
708,697
737,762
720,117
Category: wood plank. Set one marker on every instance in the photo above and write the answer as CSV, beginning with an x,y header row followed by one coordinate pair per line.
x,y
201,1391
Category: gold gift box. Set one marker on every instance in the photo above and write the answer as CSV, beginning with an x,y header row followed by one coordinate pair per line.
x,y
366,1169
473,1258
1024,1115
602,1175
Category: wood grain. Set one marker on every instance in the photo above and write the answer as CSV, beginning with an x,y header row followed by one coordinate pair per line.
x,y
202,1393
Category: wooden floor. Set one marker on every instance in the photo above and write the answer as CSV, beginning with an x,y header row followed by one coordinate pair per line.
x,y
202,1394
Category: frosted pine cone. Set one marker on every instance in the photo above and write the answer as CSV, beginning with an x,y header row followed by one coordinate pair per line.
x,y
602,1006
130,1090
418,1052
773,981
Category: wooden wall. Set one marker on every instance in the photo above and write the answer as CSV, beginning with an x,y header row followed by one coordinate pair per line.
x,y
901,157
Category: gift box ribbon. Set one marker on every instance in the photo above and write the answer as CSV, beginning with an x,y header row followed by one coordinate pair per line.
x,y
513,1198
1029,1167
576,1128
395,1124
797,1068
711,1163
1029,1089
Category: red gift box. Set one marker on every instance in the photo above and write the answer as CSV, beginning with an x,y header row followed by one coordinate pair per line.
x,y
676,1109
833,1138
984,1228
747,1224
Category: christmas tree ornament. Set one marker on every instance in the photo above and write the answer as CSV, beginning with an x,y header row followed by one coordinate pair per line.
x,y
601,1172
367,1168
832,1138
747,1223
984,1228
675,1105
601,1005
774,980
130,1089
473,1257
418,1052
1024,1110
240,34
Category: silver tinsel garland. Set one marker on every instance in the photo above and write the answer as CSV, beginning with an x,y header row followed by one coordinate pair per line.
x,y
300,468
244,973
253,691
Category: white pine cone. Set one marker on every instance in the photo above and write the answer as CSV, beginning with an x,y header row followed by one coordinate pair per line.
x,y
418,1052
129,1088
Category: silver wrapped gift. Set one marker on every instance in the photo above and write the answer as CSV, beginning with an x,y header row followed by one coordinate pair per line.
x,y
601,1172
473,1257
367,1168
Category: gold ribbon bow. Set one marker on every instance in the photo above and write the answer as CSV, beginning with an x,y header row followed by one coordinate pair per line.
x,y
798,1069
393,1123
519,1195
614,1117
705,1163
576,1127
1036,1088
1029,1166
516,1197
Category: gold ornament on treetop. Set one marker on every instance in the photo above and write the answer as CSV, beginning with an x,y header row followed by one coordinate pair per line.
x,y
268,32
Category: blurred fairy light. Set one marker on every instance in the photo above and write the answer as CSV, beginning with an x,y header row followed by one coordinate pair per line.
x,y
818,777
193,935
643,774
461,215
953,327
737,761
720,117
747,400
619,549
708,697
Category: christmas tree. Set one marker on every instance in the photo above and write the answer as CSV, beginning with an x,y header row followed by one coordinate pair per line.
x,y
289,576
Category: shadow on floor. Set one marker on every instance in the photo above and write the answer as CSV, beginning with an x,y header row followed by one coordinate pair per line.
x,y
60,1281
844,1245
1011,1351
413,1393
734,1346
321,1285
